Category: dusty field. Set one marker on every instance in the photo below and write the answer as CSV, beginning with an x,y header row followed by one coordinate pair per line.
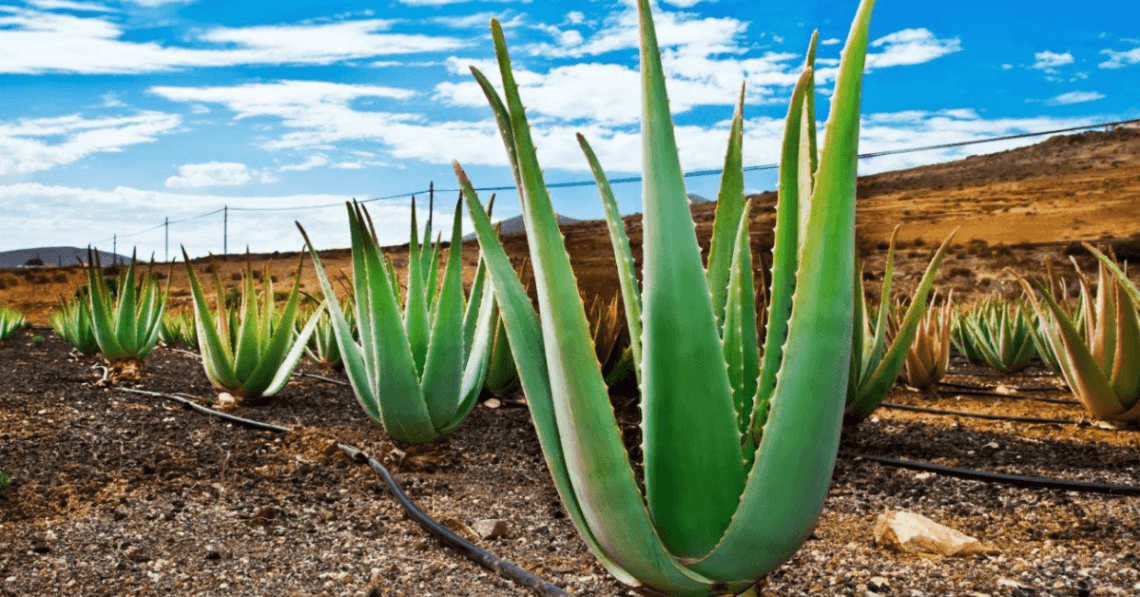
x,y
120,494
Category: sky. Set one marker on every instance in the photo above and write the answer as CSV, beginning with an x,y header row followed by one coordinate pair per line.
x,y
234,119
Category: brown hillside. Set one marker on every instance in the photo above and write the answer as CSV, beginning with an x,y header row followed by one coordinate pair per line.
x,y
1014,208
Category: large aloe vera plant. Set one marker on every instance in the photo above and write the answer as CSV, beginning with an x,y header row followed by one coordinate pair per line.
x,y
416,370
729,491
1099,353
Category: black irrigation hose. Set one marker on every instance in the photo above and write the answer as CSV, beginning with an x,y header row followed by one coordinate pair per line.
x,y
321,378
1007,479
1018,388
209,411
441,533
445,536
935,411
1012,396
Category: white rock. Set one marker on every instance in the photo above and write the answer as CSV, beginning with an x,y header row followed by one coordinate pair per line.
x,y
490,528
914,533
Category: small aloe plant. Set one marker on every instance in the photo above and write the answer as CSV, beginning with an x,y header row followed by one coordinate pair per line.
x,y
1098,351
737,459
875,364
72,321
1000,332
10,321
417,370
249,352
929,355
126,324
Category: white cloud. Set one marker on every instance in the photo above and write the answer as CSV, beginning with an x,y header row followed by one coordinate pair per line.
x,y
1048,61
910,46
831,41
1120,59
216,174
111,100
38,42
446,2
25,146
69,5
1075,97
918,128
575,17
314,161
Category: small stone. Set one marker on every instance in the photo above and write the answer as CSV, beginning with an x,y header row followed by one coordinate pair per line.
x,y
878,584
225,401
492,403
490,528
914,533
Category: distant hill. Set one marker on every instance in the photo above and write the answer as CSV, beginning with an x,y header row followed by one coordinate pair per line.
x,y
695,199
58,256
512,226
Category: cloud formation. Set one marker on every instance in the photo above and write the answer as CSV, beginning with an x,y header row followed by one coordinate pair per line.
x,y
29,145
216,174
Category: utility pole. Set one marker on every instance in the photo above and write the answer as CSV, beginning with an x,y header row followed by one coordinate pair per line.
x,y
225,229
115,248
167,225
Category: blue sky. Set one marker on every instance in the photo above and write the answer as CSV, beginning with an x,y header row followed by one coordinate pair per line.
x,y
117,115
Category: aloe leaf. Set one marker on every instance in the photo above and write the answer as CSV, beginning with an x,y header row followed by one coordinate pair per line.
x,y
741,350
287,363
682,356
786,486
477,360
875,385
125,314
1125,376
216,357
729,207
623,257
415,304
355,365
809,152
443,368
247,349
1090,384
785,249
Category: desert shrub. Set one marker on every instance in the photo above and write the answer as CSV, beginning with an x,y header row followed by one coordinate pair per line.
x,y
5,481
34,262
1127,250
236,276
60,277
963,272
38,341
7,281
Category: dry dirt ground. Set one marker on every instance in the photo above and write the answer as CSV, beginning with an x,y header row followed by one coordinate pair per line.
x,y
115,493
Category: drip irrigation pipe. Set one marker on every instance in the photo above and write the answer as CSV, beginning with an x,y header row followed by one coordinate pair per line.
x,y
209,411
1005,478
445,536
965,392
958,413
321,378
1018,388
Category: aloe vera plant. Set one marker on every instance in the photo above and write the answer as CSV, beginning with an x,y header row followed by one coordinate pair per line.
x,y
1001,333
1099,353
416,370
729,492
72,321
125,325
249,352
929,355
179,329
875,364
10,321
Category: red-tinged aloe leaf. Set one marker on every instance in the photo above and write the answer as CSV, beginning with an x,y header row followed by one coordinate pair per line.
x,y
1125,377
686,392
1085,377
729,207
788,482
627,277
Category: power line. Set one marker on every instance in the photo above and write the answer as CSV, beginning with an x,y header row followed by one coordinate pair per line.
x,y
633,179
